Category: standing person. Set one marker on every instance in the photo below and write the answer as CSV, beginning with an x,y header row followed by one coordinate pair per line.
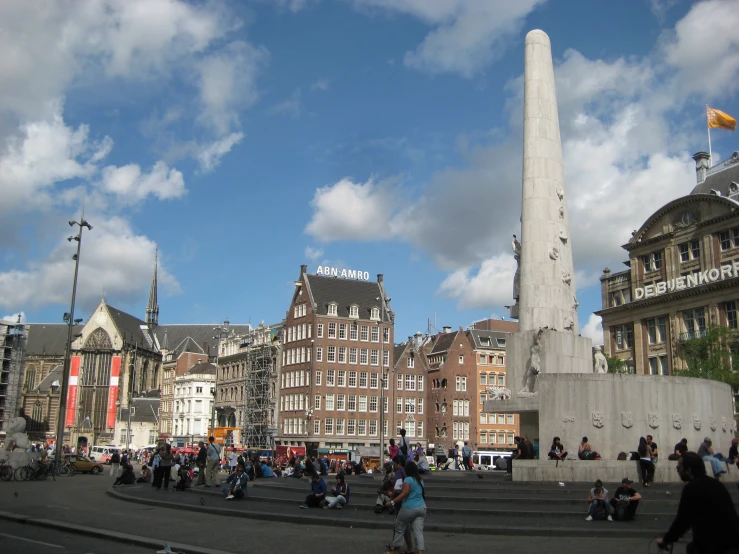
x,y
645,461
705,507
155,461
654,448
403,446
625,501
165,465
200,462
232,458
412,514
598,498
115,463
466,456
211,465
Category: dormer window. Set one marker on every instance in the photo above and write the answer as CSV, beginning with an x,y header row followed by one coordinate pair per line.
x,y
354,311
332,308
375,314
501,343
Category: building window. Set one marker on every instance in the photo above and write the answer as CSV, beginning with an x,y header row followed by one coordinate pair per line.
x,y
657,330
351,426
362,403
410,405
353,331
375,334
363,379
725,240
318,378
319,354
386,358
400,381
373,427
352,355
330,403
316,426
373,404
375,357
332,308
362,427
331,354
658,365
399,404
624,336
363,352
341,381
483,417
410,382
484,437
30,378
364,333
342,354
340,402
461,359
332,330
386,335
409,361
339,426
653,261
420,405
330,377
461,384
317,402
731,321
342,331
375,314
690,250
483,378
319,331
328,426
695,323
354,311
352,378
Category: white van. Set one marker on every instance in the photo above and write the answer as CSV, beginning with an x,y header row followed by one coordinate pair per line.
x,y
103,452
485,460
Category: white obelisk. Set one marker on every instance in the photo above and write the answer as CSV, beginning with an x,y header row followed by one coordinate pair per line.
x,y
547,286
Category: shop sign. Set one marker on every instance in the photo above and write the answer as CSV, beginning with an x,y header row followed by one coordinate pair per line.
x,y
688,281
327,271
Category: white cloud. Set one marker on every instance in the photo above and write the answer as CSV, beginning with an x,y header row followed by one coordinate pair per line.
x,y
485,289
320,84
313,254
351,211
131,185
13,318
114,261
593,329
467,34
210,156
292,5
290,107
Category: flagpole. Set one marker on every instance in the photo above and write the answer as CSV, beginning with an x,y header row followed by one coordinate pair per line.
x,y
710,153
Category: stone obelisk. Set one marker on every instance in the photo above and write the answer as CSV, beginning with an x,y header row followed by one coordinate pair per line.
x,y
547,286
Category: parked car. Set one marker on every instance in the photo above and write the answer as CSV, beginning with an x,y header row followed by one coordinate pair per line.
x,y
82,464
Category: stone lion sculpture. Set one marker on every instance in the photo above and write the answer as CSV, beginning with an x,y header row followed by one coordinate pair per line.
x,y
499,393
16,435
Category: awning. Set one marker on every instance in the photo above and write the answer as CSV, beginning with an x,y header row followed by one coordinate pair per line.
x,y
367,451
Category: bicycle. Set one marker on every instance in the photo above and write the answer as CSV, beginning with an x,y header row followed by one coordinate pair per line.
x,y
6,471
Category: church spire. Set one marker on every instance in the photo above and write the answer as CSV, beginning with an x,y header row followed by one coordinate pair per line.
x,y
152,309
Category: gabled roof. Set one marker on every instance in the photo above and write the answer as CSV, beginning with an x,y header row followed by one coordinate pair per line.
x,y
54,376
398,350
478,339
202,369
199,333
132,329
443,342
187,345
346,292
144,410
48,338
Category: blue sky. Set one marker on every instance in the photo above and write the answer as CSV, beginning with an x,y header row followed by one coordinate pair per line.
x,y
246,138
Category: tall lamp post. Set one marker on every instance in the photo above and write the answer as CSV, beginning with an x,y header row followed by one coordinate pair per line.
x,y
382,301
82,223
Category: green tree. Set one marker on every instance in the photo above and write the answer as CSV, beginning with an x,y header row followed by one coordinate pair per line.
x,y
713,356
616,365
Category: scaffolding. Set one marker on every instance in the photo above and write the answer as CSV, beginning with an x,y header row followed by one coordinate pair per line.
x,y
259,388
12,350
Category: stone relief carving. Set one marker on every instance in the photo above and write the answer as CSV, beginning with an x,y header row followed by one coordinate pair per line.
x,y
498,393
599,419
724,424
569,419
516,245
563,236
697,423
653,419
566,277
712,423
561,212
569,323
600,364
554,253
627,419
529,378
576,303
732,426
677,421
560,193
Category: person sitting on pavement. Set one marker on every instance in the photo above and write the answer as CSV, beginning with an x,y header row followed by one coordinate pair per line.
x,y
127,476
237,484
384,492
680,449
392,449
586,452
317,494
267,471
625,501
557,451
705,451
734,452
184,479
423,464
707,508
145,475
339,494
598,499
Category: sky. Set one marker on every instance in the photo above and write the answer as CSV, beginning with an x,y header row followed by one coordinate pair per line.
x,y
245,138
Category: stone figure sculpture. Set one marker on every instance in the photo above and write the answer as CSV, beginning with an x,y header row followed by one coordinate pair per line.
x,y
569,419
566,277
600,364
534,368
560,193
554,253
517,276
563,236
697,423
499,393
677,421
16,435
569,323
627,419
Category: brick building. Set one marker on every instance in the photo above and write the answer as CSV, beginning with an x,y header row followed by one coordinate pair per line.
x,y
409,395
338,345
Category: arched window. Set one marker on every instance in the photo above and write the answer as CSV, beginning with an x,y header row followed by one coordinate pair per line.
x,y
232,420
30,378
37,413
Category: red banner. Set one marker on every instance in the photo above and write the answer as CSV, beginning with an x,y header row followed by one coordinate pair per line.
x,y
74,373
115,372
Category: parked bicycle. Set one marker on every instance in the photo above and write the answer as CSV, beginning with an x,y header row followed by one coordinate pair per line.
x,y
6,471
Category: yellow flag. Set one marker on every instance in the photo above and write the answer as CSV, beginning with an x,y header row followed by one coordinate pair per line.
x,y
720,120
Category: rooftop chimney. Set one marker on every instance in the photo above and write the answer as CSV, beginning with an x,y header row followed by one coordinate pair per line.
x,y
702,165
447,328
303,269
417,339
379,277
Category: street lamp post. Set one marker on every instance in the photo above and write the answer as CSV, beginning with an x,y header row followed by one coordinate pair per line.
x,y
382,300
82,223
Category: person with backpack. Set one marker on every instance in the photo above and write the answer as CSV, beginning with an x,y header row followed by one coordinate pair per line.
x,y
599,505
200,461
467,457
625,501
115,463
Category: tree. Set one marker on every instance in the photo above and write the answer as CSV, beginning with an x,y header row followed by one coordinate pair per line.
x,y
714,356
616,365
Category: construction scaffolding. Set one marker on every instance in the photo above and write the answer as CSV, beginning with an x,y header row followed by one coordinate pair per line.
x,y
260,425
12,350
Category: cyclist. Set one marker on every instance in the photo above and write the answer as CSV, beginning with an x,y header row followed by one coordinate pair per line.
x,y
705,507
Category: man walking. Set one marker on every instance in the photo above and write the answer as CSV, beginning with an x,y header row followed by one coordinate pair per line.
x,y
212,463
200,461
466,456
115,463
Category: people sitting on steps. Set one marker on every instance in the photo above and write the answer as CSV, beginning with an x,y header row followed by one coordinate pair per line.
x,y
557,450
585,451
600,508
705,451
625,501
339,494
237,483
317,492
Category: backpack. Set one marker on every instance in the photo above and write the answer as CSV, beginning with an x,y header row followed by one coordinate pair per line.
x,y
621,513
115,458
403,448
600,511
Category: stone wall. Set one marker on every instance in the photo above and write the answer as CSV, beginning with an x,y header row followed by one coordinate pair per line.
x,y
613,411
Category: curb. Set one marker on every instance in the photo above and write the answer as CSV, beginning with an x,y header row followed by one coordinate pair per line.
x,y
116,536
618,531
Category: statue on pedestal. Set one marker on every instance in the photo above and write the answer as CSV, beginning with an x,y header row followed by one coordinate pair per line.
x,y
534,368
600,364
